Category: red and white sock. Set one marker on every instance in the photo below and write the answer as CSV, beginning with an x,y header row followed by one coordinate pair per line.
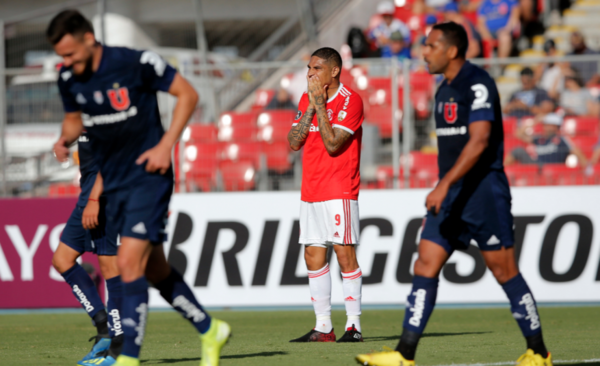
x,y
352,285
320,292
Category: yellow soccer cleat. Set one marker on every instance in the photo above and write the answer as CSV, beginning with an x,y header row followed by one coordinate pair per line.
x,y
530,358
123,360
387,358
212,342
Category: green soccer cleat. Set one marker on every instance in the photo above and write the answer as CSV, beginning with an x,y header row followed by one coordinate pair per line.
x,y
212,342
123,360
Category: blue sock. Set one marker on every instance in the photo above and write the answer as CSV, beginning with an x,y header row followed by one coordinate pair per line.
x,y
420,303
135,314
85,291
115,299
180,296
523,306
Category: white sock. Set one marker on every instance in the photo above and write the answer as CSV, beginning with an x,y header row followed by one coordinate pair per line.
x,y
320,292
352,284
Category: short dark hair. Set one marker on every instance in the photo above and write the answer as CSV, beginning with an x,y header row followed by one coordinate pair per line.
x,y
455,35
526,71
67,22
329,55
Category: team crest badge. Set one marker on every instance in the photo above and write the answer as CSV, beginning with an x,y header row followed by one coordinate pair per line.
x,y
98,98
80,99
341,116
119,98
329,114
450,112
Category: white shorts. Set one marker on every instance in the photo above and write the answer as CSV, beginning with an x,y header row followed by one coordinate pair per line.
x,y
329,222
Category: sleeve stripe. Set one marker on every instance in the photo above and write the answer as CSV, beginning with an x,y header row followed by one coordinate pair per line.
x,y
343,128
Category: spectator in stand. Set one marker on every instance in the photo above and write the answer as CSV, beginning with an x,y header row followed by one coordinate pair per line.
x,y
576,99
383,31
594,160
550,76
451,14
282,100
547,148
587,69
497,20
530,100
396,48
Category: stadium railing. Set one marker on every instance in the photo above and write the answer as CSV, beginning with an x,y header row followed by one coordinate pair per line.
x,y
246,148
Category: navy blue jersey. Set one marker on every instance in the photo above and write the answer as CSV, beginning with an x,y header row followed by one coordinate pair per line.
x,y
472,96
87,167
119,110
553,149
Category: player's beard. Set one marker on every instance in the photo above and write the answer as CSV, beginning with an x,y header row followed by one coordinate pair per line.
x,y
87,69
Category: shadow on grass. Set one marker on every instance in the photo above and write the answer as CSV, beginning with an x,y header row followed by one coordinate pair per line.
x,y
248,355
396,338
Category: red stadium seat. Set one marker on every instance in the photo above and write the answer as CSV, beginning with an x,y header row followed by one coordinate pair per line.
x,y
238,127
200,164
63,190
381,116
278,156
236,151
511,143
421,161
560,174
237,175
520,175
200,132
422,81
262,98
510,126
426,177
274,126
580,126
585,143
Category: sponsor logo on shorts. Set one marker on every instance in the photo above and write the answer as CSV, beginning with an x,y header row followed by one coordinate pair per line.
x,y
139,228
83,299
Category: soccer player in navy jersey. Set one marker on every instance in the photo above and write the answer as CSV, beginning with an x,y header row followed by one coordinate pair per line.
x,y
470,204
111,91
86,231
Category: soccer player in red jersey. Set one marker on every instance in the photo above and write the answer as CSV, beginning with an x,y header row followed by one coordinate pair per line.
x,y
330,184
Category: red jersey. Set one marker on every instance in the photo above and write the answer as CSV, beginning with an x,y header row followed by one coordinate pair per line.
x,y
327,177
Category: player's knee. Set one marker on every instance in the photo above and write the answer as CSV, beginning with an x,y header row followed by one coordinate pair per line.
x,y
425,268
130,268
500,274
61,264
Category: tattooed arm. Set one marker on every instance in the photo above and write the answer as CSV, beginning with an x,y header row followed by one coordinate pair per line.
x,y
298,134
333,139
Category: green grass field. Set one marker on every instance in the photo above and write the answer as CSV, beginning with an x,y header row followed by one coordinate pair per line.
x,y
261,338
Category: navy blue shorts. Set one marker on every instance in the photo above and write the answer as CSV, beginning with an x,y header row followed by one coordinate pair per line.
x,y
141,211
477,211
100,241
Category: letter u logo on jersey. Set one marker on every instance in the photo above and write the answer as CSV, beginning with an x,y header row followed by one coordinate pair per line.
x,y
119,98
450,112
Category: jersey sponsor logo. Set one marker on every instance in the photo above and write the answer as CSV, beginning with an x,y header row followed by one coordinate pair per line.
x,y
152,58
116,322
417,310
481,97
342,115
451,131
98,97
83,299
188,309
83,138
314,128
105,119
450,112
119,98
298,115
532,314
80,99
329,114
346,103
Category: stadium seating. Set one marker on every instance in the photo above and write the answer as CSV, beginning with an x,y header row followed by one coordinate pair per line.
x,y
561,174
278,156
237,175
200,132
238,127
581,126
235,151
200,164
274,126
522,174
262,98
63,190
585,143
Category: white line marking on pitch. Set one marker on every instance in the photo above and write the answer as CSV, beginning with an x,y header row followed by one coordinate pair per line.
x,y
513,362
